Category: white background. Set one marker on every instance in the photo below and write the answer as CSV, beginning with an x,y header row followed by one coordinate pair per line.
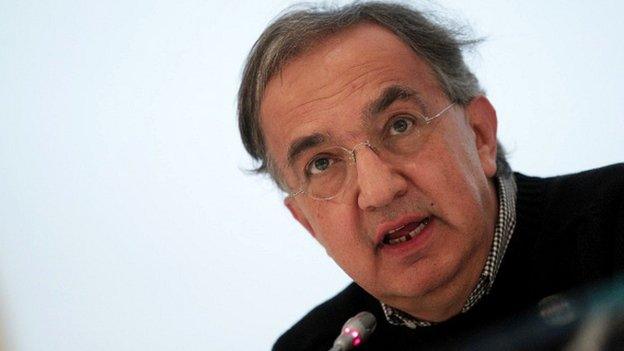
x,y
127,221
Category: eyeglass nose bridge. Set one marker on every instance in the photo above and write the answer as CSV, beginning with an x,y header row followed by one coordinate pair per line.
x,y
365,143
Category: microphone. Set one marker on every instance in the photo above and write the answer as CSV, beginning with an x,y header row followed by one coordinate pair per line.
x,y
355,331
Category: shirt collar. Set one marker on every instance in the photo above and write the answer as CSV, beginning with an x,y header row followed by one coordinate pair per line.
x,y
505,224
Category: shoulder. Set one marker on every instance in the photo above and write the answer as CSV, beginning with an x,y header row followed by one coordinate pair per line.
x,y
599,192
605,181
577,225
319,327
583,191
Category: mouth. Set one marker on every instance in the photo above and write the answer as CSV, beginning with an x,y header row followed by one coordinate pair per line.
x,y
404,232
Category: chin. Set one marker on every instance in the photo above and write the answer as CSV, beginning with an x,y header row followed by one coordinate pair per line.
x,y
431,282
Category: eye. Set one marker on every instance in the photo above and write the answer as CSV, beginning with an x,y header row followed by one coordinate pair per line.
x,y
400,125
319,165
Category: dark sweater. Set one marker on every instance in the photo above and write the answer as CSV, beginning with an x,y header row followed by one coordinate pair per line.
x,y
569,233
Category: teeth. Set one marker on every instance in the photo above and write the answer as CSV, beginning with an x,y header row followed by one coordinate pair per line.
x,y
409,235
397,229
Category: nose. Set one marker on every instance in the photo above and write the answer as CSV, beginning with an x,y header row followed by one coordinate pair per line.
x,y
379,182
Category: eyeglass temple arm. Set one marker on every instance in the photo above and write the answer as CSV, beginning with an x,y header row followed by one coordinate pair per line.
x,y
298,192
439,113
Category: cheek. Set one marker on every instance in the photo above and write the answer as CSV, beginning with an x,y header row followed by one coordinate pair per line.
x,y
460,159
335,226
449,179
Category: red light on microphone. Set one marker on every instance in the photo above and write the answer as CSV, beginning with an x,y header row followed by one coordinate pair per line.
x,y
356,341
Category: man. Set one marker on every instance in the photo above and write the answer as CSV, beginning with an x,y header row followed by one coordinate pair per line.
x,y
371,122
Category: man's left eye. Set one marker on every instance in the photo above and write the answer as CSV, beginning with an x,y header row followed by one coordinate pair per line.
x,y
400,125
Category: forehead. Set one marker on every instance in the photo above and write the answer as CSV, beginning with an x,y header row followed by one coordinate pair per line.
x,y
325,89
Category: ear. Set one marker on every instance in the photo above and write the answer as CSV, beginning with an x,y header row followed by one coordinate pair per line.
x,y
296,212
483,121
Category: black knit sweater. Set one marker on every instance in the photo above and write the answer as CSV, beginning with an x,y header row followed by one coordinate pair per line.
x,y
569,234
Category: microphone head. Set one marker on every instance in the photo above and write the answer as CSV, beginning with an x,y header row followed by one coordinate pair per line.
x,y
355,331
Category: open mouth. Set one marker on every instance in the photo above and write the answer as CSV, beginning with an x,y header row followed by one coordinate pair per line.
x,y
405,232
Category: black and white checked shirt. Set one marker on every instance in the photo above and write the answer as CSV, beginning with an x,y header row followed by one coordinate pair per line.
x,y
502,234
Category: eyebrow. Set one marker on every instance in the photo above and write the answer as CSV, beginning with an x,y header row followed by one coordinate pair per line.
x,y
302,144
389,96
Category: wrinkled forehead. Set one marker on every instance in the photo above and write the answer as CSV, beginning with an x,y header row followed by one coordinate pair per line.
x,y
326,88
346,57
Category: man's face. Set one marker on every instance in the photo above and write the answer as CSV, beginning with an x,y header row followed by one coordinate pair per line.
x,y
442,193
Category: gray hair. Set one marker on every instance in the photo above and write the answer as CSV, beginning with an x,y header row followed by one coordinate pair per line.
x,y
298,29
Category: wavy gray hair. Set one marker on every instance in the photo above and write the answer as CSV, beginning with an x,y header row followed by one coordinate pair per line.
x,y
297,29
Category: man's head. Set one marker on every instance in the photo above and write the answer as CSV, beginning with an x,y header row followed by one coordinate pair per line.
x,y
412,230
